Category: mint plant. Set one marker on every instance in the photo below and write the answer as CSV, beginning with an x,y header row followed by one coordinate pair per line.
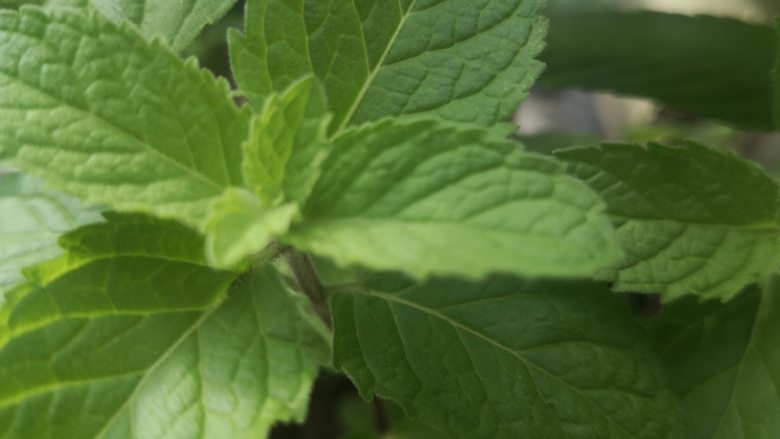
x,y
200,252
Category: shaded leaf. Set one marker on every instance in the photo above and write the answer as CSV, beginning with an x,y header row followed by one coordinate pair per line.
x,y
724,363
505,358
716,68
776,79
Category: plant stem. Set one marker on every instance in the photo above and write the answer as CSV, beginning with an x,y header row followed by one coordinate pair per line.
x,y
272,251
309,282
382,423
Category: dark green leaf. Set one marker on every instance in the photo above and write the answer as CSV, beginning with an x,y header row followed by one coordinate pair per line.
x,y
712,67
505,359
724,363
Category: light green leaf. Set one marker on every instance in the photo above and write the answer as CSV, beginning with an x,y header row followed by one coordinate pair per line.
x,y
129,334
712,67
175,22
463,60
725,364
692,220
505,359
103,115
31,220
287,144
427,197
239,225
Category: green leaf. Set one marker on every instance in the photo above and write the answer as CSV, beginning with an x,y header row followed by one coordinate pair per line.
x,y
505,358
31,220
548,142
175,22
724,363
463,60
129,334
427,197
287,144
413,430
401,427
13,4
692,220
776,79
103,115
239,225
712,67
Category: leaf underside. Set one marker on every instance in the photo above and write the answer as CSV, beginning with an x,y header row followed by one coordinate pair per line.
x,y
31,220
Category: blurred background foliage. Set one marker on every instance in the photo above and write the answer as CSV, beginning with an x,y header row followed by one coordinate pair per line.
x,y
552,118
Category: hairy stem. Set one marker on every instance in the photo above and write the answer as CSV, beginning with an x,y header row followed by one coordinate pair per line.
x,y
309,282
380,415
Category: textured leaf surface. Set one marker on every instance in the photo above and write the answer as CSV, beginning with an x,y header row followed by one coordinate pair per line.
x,y
692,220
724,363
430,198
287,144
31,220
122,337
239,226
177,22
101,114
506,359
466,60
712,67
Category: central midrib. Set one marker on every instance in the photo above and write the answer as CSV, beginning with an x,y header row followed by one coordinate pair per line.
x,y
529,365
149,371
375,71
111,127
